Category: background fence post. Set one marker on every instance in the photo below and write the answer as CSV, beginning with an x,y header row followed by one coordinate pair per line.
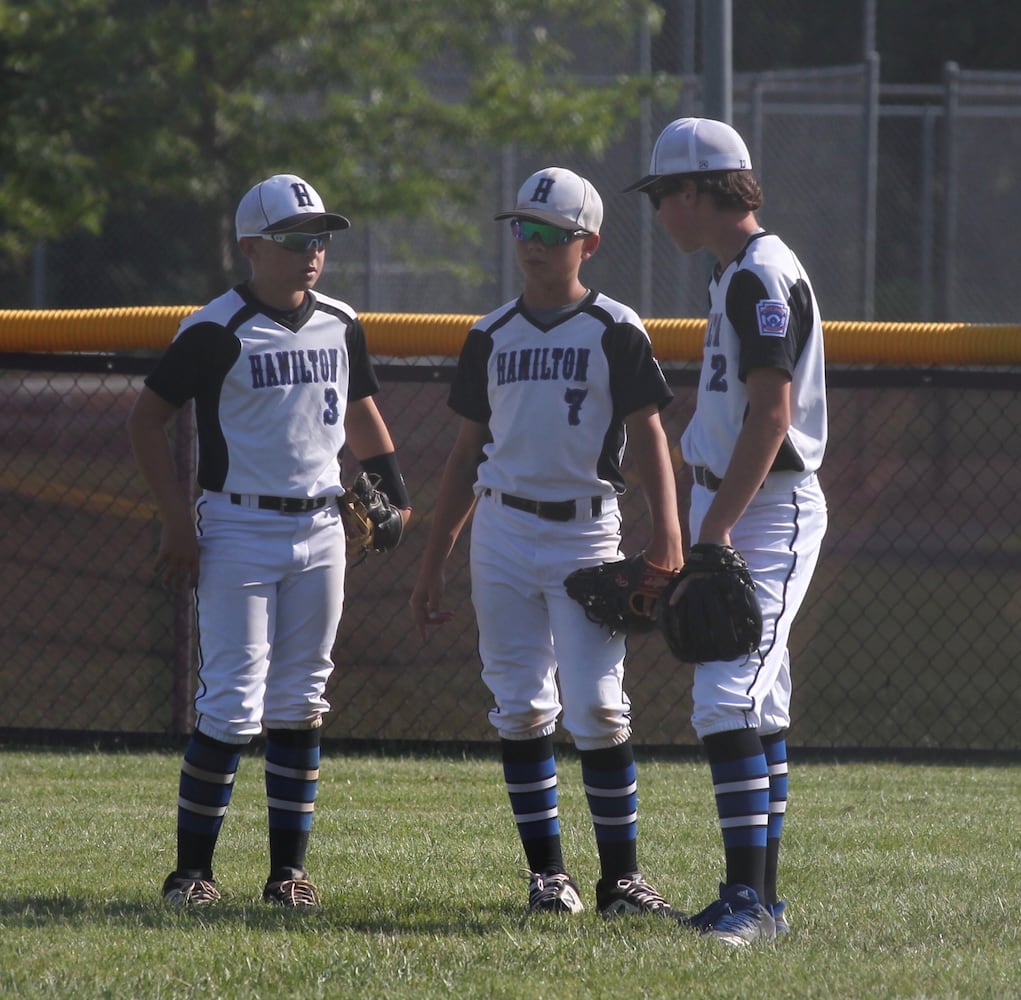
x,y
952,83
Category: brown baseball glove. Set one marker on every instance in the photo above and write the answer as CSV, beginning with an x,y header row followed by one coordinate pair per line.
x,y
621,595
371,523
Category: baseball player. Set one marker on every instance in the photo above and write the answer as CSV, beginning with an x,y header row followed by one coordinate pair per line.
x,y
281,380
754,445
549,387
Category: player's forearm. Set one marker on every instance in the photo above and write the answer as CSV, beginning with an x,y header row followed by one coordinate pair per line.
x,y
366,431
651,455
754,452
156,465
454,505
766,425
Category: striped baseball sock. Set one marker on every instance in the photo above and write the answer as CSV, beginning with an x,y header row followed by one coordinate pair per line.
x,y
775,746
741,786
530,771
611,786
204,791
292,782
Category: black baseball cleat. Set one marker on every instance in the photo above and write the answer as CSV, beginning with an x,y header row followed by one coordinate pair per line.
x,y
552,893
186,891
294,892
632,894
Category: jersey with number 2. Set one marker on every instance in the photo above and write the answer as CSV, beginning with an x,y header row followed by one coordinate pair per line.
x,y
762,314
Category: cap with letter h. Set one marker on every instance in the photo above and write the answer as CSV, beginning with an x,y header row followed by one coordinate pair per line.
x,y
558,197
694,146
285,202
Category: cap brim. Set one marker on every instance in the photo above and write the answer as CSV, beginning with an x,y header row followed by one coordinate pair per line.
x,y
646,182
310,222
549,218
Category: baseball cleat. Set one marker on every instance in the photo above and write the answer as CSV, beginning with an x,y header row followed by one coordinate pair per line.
x,y
552,893
296,893
632,894
779,917
182,892
736,919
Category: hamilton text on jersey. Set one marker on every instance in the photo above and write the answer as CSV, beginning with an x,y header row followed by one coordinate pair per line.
x,y
542,365
293,367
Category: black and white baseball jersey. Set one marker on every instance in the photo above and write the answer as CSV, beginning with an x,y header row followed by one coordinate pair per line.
x,y
270,389
561,389
763,314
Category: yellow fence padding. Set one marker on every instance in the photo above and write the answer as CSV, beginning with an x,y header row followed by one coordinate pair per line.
x,y
417,335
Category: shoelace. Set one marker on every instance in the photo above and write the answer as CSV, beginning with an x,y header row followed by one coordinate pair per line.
x,y
203,892
195,892
544,888
642,893
298,892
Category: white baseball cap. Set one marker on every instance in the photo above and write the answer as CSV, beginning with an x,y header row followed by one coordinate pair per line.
x,y
695,146
283,202
560,198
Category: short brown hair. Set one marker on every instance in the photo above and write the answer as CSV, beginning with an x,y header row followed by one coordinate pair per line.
x,y
731,188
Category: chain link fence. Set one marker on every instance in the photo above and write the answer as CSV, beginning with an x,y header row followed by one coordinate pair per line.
x,y
909,638
891,195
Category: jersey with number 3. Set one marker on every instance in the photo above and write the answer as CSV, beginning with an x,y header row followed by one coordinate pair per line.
x,y
555,397
762,314
270,389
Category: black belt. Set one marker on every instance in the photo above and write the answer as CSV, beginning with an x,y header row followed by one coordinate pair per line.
x,y
285,505
705,478
548,510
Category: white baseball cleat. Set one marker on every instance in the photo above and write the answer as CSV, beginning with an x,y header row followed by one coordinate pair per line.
x,y
552,893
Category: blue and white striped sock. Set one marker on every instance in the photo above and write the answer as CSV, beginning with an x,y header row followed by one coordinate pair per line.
x,y
530,772
292,783
204,792
741,787
611,786
775,747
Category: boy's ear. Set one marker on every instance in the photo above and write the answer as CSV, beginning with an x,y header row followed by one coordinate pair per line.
x,y
589,245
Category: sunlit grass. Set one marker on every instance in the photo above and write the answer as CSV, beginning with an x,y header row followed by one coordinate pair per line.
x,y
901,882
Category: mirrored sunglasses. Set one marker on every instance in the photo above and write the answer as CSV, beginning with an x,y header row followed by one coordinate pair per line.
x,y
551,236
298,242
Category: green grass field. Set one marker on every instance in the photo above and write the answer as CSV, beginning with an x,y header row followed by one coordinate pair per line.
x,y
902,881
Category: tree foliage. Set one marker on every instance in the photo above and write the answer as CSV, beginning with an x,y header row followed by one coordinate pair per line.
x,y
110,104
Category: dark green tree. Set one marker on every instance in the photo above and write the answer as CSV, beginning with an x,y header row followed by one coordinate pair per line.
x,y
111,106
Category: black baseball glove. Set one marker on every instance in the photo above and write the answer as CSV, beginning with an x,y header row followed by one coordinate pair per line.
x,y
621,595
718,615
370,522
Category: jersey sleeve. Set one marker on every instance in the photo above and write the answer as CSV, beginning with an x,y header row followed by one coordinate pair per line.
x,y
362,381
772,323
198,353
469,392
636,379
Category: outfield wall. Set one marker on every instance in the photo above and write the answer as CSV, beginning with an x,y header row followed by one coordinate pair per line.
x,y
409,336
909,640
